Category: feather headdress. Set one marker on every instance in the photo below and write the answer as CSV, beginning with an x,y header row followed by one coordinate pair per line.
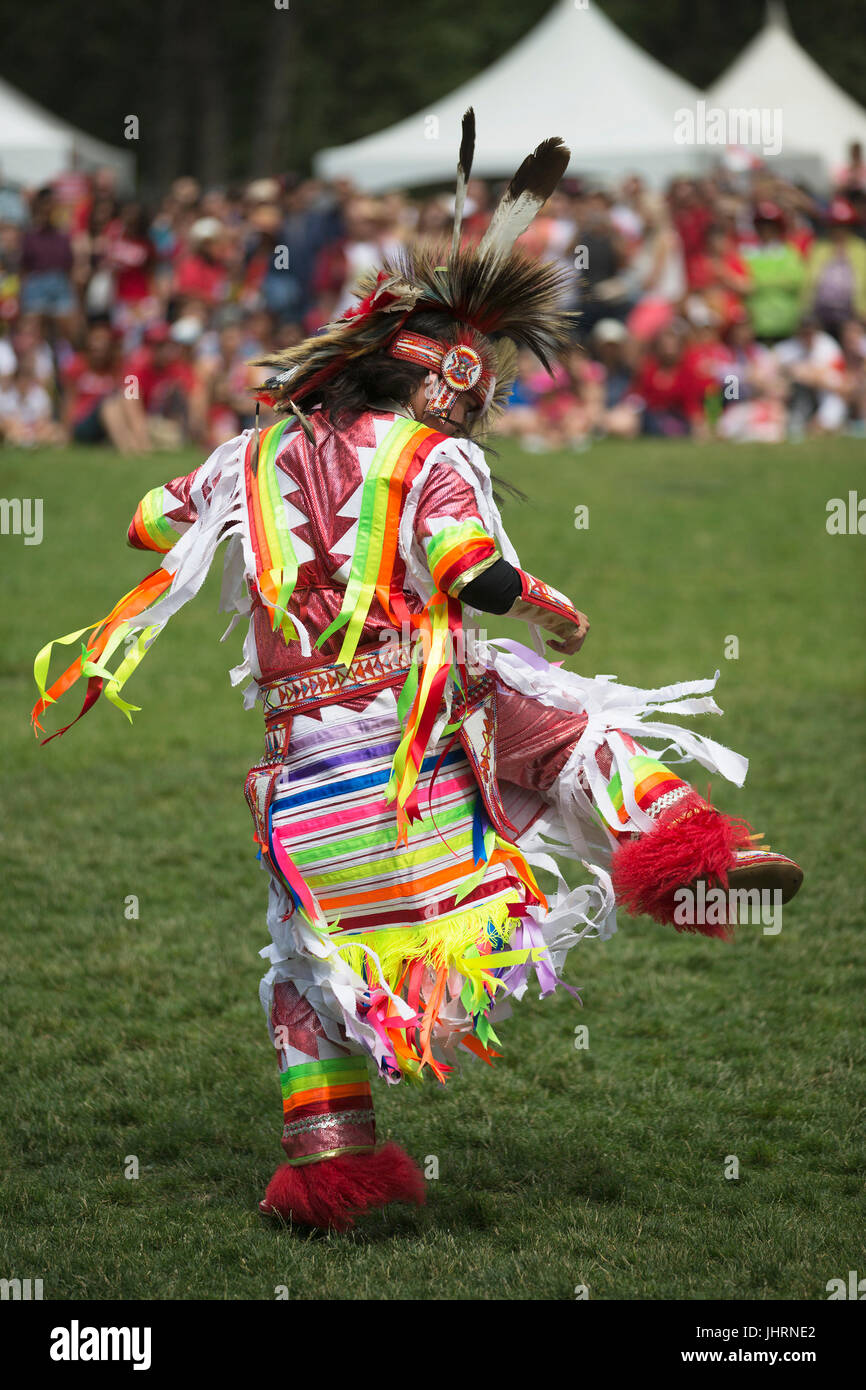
x,y
487,299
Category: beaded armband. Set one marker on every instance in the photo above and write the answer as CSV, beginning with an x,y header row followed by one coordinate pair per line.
x,y
558,614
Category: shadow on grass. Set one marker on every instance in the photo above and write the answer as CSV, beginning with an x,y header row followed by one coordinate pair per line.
x,y
505,1174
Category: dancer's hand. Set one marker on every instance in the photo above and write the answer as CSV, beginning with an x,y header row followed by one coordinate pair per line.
x,y
573,640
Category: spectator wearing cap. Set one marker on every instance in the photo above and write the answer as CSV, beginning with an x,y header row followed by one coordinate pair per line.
x,y
201,273
704,354
166,385
610,344
835,288
613,349
778,274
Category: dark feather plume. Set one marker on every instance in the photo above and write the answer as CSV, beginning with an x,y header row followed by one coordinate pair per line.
x,y
540,171
467,143
530,187
464,169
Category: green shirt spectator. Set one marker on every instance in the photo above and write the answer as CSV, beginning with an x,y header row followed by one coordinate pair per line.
x,y
778,276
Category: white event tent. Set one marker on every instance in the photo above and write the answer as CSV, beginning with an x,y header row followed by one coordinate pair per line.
x,y
575,75
36,146
818,119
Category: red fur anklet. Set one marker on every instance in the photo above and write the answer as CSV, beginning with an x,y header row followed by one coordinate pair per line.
x,y
331,1193
648,870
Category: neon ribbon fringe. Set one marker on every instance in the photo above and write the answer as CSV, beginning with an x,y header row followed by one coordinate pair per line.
x,y
276,561
302,896
438,624
106,636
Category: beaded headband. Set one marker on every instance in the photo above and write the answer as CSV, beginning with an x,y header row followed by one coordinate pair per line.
x,y
458,367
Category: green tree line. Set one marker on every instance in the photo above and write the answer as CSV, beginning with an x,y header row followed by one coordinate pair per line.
x,y
229,89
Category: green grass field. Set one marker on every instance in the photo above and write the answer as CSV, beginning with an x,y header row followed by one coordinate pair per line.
x,y
603,1167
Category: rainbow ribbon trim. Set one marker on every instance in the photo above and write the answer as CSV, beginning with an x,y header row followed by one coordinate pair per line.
x,y
373,563
458,553
337,1078
373,575
651,780
327,1109
276,561
151,526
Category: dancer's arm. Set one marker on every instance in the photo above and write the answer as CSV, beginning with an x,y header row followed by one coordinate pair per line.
x,y
163,515
464,561
539,603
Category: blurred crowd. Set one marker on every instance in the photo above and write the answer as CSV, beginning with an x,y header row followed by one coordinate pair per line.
x,y
732,306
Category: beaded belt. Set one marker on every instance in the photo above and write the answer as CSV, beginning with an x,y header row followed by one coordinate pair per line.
x,y
369,671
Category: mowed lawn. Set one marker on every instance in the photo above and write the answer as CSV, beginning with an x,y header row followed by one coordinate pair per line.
x,y
560,1167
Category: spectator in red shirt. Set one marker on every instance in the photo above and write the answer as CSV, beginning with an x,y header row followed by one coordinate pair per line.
x,y
705,356
721,276
130,255
671,391
166,384
691,218
95,407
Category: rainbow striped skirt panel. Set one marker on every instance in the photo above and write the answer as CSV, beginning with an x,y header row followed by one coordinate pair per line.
x,y
329,814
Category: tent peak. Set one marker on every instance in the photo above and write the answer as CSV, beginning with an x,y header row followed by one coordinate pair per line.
x,y
777,17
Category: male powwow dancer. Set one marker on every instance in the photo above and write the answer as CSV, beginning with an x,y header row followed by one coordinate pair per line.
x,y
413,781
